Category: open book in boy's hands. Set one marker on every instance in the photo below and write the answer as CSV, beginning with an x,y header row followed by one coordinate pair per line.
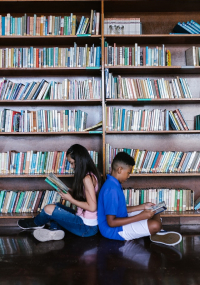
x,y
56,183
158,208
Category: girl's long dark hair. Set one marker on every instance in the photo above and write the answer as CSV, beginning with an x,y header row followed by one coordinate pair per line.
x,y
83,165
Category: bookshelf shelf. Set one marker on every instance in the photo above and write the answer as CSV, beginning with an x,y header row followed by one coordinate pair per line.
x,y
92,102
17,215
154,39
47,133
153,132
152,101
33,175
48,40
154,69
180,214
177,174
49,71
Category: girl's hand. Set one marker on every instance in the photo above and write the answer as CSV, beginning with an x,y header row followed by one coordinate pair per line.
x,y
148,205
67,197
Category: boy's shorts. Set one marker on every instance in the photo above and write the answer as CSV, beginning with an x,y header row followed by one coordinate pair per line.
x,y
135,230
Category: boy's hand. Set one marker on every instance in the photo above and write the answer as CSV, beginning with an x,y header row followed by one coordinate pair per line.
x,y
147,214
66,197
148,205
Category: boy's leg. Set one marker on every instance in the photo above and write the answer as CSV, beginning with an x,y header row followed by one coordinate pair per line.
x,y
163,237
154,224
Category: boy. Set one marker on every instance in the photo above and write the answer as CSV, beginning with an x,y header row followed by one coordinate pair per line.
x,y
116,221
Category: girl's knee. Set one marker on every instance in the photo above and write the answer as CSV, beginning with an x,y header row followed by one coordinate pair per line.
x,y
49,209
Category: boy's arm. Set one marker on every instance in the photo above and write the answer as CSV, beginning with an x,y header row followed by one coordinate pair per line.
x,y
117,222
139,207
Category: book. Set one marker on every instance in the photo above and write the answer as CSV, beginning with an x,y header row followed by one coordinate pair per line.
x,y
56,183
98,125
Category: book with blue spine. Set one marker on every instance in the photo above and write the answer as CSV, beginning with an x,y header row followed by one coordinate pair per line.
x,y
186,161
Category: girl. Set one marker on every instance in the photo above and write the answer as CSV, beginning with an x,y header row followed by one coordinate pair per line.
x,y
86,185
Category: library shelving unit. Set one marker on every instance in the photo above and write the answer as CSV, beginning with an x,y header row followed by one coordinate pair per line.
x,y
54,141
158,19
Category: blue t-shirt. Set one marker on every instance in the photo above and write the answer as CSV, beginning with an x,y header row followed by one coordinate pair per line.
x,y
111,201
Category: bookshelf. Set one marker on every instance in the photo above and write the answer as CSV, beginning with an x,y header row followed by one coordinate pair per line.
x,y
158,19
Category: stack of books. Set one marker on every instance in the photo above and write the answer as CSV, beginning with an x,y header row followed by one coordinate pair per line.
x,y
118,119
134,88
136,56
45,57
157,161
31,201
122,26
42,121
48,25
89,25
190,27
38,162
192,56
175,199
44,90
197,122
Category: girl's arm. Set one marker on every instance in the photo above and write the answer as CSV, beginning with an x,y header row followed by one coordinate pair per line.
x,y
91,201
139,207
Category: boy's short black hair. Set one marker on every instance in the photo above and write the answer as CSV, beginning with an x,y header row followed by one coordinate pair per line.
x,y
123,158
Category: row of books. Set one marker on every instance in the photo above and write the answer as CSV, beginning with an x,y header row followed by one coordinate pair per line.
x,y
122,26
42,121
192,56
175,199
89,25
49,25
134,88
136,56
43,57
44,90
118,119
197,122
190,27
38,162
147,161
26,201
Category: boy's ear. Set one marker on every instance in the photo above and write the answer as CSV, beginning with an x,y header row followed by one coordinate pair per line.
x,y
119,169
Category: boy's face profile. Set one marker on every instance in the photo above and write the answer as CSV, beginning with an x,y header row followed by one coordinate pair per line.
x,y
124,172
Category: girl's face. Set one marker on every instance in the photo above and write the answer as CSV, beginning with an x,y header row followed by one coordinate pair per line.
x,y
71,161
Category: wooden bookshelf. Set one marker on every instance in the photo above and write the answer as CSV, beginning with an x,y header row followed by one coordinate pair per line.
x,y
158,21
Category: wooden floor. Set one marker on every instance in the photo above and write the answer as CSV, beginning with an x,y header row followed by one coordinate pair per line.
x,y
98,261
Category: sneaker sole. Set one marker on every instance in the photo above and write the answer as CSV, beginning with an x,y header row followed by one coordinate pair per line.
x,y
167,238
47,235
31,228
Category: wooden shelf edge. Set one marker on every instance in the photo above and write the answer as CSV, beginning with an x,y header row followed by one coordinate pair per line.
x,y
153,132
46,133
180,214
165,174
18,215
33,175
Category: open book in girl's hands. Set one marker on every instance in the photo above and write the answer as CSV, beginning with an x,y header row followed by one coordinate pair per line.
x,y
56,183
158,208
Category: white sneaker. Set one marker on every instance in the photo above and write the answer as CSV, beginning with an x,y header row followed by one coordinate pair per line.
x,y
47,235
167,238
